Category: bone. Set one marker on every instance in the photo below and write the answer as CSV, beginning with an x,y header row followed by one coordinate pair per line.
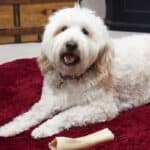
x,y
66,143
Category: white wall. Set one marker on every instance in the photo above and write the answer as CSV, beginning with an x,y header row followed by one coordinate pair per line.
x,y
97,5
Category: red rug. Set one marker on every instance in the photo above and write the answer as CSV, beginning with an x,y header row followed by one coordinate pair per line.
x,y
20,88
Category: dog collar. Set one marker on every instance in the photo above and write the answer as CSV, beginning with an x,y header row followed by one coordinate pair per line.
x,y
70,77
67,77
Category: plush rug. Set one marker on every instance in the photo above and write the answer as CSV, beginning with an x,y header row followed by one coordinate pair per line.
x,y
20,88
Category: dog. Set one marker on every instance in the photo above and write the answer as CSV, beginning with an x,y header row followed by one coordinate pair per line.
x,y
88,76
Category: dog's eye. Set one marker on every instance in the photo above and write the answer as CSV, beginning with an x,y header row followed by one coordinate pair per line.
x,y
85,31
63,28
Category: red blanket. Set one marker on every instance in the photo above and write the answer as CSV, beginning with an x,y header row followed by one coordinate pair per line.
x,y
20,88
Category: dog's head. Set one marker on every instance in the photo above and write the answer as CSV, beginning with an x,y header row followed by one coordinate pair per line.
x,y
75,39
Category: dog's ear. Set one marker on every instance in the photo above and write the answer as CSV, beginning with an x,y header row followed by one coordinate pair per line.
x,y
104,63
44,63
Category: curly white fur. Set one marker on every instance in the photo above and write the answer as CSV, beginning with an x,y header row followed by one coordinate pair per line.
x,y
113,75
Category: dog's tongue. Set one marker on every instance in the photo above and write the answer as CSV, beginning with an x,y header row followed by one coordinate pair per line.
x,y
69,58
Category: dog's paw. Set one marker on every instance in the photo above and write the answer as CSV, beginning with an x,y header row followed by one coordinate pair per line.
x,y
7,132
38,133
43,132
3,133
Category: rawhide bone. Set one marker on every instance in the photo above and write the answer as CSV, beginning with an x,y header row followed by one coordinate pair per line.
x,y
66,143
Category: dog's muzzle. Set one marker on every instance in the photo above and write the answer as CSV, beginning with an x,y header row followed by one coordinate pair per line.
x,y
71,55
70,59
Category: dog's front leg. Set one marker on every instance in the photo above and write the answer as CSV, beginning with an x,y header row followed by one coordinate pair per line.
x,y
45,108
75,116
35,115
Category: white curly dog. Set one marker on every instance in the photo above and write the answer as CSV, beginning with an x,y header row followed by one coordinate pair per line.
x,y
88,77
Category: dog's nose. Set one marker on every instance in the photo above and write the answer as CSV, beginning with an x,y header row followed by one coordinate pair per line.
x,y
71,45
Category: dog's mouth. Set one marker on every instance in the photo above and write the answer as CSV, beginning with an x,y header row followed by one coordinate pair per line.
x,y
70,59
